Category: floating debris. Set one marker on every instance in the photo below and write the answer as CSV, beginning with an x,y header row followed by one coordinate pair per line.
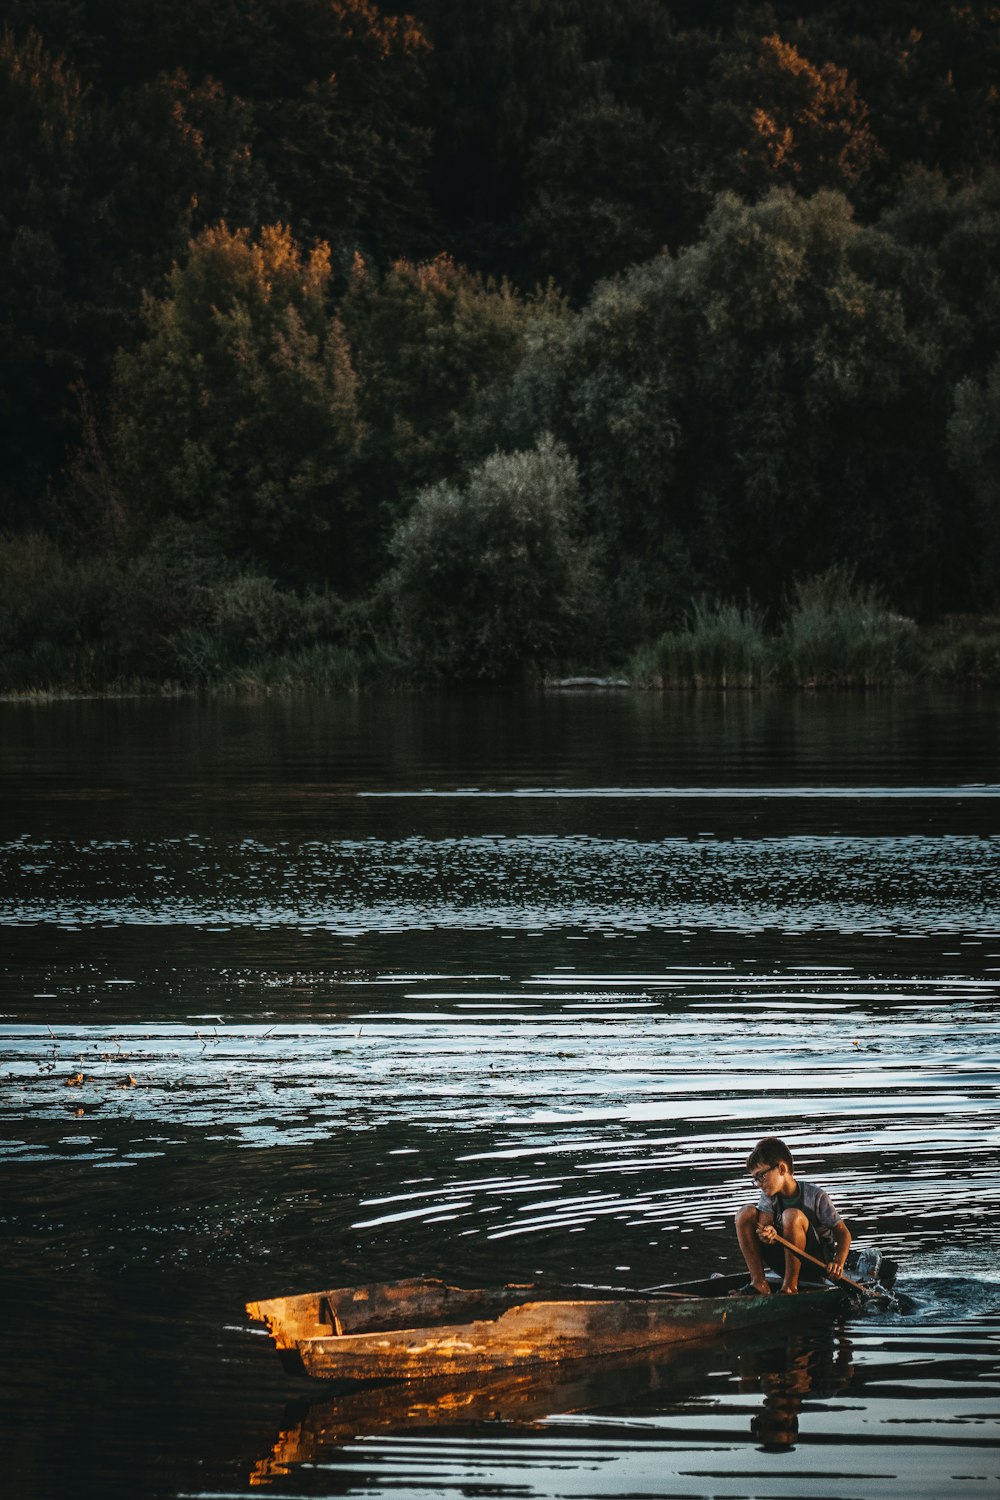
x,y
586,682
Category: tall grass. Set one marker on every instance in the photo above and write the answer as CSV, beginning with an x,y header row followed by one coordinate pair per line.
x,y
840,634
836,634
719,645
324,667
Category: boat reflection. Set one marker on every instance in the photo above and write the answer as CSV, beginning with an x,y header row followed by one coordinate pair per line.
x,y
785,1370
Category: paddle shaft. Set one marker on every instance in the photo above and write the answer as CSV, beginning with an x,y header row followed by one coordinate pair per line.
x,y
804,1255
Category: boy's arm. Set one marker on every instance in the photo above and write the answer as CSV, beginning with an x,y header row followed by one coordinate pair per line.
x,y
842,1235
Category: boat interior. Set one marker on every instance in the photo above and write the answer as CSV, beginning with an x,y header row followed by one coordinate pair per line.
x,y
427,1302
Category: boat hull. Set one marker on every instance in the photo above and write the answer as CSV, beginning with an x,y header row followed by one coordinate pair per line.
x,y
348,1334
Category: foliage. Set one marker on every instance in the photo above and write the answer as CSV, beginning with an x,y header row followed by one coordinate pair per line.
x,y
334,91
238,409
768,401
720,645
490,578
179,154
600,197
974,444
817,349
264,272
836,633
50,204
965,650
426,339
953,232
774,118
840,634
608,384
341,119
173,615
51,611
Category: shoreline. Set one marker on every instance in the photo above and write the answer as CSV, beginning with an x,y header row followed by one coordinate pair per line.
x,y
549,687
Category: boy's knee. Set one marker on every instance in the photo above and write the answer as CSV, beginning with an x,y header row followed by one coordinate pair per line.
x,y
747,1215
793,1221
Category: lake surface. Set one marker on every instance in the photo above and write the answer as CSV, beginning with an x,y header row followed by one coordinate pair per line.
x,y
498,987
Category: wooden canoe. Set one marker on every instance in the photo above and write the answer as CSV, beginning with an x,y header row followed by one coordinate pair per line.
x,y
424,1327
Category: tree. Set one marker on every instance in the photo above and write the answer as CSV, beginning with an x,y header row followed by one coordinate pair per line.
x,y
954,230
974,447
490,577
774,118
343,127
929,75
238,411
512,77
426,339
765,404
51,207
813,430
334,89
603,197
608,382
179,159
96,200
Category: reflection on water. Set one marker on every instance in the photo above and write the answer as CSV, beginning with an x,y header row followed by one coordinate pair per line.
x,y
781,1371
819,1410
500,989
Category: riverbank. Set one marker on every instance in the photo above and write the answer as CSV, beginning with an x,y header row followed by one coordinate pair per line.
x,y
172,622
168,626
726,647
724,650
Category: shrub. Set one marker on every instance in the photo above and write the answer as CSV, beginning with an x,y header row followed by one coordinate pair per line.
x,y
966,649
54,612
839,633
491,577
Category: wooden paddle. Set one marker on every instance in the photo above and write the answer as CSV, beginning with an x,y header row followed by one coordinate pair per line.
x,y
804,1255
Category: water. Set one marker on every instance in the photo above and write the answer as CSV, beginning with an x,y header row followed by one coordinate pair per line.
x,y
493,987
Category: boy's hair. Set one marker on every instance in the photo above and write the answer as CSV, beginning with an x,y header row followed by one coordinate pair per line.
x,y
768,1153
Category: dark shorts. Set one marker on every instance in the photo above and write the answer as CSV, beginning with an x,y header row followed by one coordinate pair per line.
x,y
774,1257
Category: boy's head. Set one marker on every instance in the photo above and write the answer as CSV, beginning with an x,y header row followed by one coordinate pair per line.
x,y
770,1152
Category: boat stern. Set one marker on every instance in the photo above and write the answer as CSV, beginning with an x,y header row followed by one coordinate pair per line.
x,y
291,1319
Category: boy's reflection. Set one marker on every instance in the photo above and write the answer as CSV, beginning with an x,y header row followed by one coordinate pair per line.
x,y
818,1364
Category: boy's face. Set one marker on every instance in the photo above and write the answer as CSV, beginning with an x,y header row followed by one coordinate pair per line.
x,y
767,1177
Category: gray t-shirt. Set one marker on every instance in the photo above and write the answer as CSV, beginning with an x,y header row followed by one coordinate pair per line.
x,y
815,1203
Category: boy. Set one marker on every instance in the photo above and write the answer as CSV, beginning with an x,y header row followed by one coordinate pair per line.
x,y
799,1211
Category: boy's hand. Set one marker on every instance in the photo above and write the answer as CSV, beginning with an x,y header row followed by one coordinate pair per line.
x,y
835,1268
767,1233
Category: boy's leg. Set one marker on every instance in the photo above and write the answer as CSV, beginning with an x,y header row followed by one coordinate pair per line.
x,y
746,1234
796,1228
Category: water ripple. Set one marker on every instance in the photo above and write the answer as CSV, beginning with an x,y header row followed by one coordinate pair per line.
x,y
913,885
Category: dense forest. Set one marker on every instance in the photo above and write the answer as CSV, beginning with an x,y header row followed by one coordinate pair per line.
x,y
346,340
